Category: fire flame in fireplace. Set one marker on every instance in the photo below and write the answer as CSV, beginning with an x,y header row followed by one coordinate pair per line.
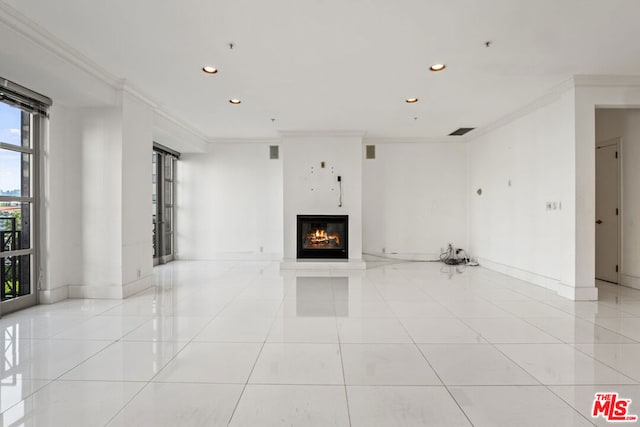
x,y
320,237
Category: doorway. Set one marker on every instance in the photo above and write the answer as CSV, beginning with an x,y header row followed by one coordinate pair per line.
x,y
162,209
608,210
23,115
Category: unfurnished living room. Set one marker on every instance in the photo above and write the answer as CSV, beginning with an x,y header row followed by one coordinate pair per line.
x,y
319,213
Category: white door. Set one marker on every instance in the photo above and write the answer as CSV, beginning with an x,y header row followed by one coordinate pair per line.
x,y
607,212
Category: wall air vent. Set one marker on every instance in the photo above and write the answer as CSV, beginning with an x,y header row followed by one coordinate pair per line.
x,y
461,131
370,151
274,152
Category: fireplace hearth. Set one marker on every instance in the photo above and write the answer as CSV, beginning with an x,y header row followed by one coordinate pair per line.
x,y
323,236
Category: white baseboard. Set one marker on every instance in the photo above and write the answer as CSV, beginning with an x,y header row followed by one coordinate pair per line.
x,y
571,292
95,292
578,293
50,296
110,291
136,286
404,256
630,280
234,256
527,276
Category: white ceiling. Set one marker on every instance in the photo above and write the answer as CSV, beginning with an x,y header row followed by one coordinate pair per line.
x,y
345,64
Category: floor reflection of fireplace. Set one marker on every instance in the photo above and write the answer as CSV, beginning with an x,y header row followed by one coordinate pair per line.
x,y
323,236
322,296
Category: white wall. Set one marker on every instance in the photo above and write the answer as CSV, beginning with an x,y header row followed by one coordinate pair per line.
x,y
309,189
415,199
625,124
520,167
137,146
61,207
593,92
229,203
96,200
101,205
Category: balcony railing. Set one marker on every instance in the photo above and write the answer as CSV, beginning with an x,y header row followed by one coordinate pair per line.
x,y
14,270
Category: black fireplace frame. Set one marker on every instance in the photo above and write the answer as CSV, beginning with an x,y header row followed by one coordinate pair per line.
x,y
342,253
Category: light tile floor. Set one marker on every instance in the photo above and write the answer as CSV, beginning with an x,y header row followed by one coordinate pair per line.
x,y
400,344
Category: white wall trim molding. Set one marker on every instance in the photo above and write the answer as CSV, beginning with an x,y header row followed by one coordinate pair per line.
x,y
50,296
322,133
589,80
630,280
125,87
425,140
551,96
527,276
95,292
138,285
24,26
38,35
110,291
187,127
562,289
234,256
578,293
225,141
403,256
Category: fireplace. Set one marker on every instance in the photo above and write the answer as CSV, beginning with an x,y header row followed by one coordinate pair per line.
x,y
323,236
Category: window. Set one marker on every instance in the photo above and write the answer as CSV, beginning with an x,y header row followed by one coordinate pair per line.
x,y
22,114
162,199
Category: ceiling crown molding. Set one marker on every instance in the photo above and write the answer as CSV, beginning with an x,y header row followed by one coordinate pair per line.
x,y
223,141
421,140
551,96
322,133
587,80
30,30
126,87
43,38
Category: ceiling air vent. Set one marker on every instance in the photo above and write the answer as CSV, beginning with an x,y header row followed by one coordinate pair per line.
x,y
371,151
461,131
274,152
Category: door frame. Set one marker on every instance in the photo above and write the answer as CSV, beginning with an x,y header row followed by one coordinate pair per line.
x,y
617,142
37,132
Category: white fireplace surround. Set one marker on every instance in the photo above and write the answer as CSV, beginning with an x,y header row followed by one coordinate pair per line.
x,y
311,189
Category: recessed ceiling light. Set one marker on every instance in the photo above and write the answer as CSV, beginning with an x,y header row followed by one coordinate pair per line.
x,y
437,67
235,101
411,100
209,69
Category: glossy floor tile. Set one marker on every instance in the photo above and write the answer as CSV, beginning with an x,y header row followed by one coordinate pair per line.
x,y
292,405
474,364
441,330
211,363
499,330
555,364
294,363
372,330
245,344
523,406
371,406
126,361
386,364
71,403
624,358
177,404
